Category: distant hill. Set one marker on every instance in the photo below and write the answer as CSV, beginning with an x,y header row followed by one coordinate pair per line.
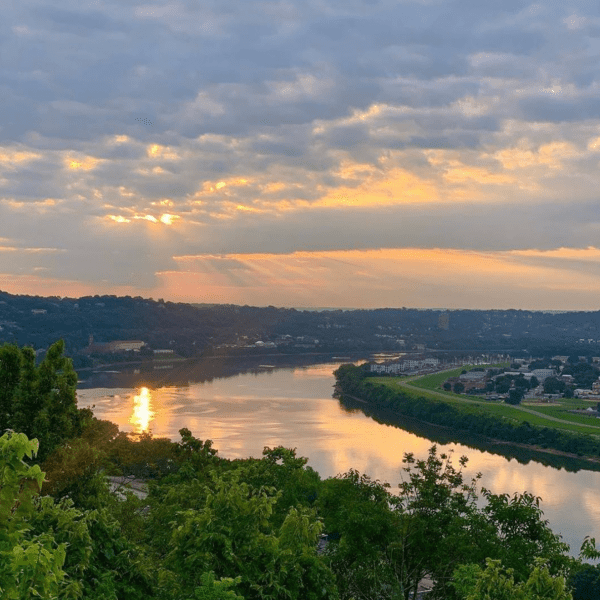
x,y
193,329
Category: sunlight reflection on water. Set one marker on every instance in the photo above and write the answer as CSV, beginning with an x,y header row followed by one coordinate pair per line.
x,y
242,414
142,413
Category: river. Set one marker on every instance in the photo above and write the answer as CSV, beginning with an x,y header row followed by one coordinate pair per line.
x,y
293,406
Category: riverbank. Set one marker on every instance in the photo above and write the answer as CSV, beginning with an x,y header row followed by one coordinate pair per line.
x,y
492,423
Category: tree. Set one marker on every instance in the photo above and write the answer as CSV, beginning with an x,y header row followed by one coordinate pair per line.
x,y
231,535
515,396
521,382
39,401
364,535
10,372
459,387
521,534
496,583
439,519
31,566
585,582
553,386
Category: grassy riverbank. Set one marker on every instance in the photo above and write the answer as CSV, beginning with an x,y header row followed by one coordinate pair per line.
x,y
530,424
532,413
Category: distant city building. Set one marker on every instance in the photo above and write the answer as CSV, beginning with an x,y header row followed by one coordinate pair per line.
x,y
393,368
116,346
444,321
125,345
542,374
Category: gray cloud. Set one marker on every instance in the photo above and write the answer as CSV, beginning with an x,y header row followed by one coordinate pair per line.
x,y
258,103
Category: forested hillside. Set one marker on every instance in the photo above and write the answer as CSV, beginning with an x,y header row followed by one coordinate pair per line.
x,y
190,330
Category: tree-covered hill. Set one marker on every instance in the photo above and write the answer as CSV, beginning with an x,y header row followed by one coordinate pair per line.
x,y
189,329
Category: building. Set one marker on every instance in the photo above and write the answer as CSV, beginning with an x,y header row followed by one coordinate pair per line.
x,y
411,364
543,374
116,346
125,346
444,321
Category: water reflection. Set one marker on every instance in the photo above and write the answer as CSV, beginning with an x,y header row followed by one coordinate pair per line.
x,y
294,407
142,412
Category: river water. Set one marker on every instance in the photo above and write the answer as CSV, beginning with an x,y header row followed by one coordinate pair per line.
x,y
293,406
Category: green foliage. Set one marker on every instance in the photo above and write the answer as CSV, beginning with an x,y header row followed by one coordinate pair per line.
x,y
282,469
211,589
363,530
552,385
497,421
441,518
382,545
584,579
522,534
515,396
496,583
31,565
39,401
232,535
74,471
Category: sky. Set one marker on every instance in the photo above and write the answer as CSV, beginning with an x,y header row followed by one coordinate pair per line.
x,y
330,153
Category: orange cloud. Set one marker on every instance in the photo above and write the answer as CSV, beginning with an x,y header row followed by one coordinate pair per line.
x,y
455,171
82,163
590,253
10,157
384,277
163,152
395,186
549,155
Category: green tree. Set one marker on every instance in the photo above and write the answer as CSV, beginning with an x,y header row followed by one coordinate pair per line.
x,y
10,375
515,396
231,535
363,536
552,385
439,519
521,534
496,583
31,565
58,418
39,401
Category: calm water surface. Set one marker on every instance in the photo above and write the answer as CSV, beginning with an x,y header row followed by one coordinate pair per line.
x,y
294,407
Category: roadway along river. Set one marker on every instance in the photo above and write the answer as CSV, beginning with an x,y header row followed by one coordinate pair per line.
x,y
294,407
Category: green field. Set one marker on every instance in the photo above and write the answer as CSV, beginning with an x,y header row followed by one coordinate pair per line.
x,y
429,386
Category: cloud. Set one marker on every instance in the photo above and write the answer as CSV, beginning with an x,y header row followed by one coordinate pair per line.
x,y
384,277
135,133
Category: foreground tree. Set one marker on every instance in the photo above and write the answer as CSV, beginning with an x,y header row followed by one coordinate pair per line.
x,y
496,583
39,401
31,565
382,546
232,535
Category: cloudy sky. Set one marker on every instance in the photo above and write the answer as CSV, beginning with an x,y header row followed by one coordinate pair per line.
x,y
340,153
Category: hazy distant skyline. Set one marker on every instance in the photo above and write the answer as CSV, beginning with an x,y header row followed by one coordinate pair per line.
x,y
360,153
